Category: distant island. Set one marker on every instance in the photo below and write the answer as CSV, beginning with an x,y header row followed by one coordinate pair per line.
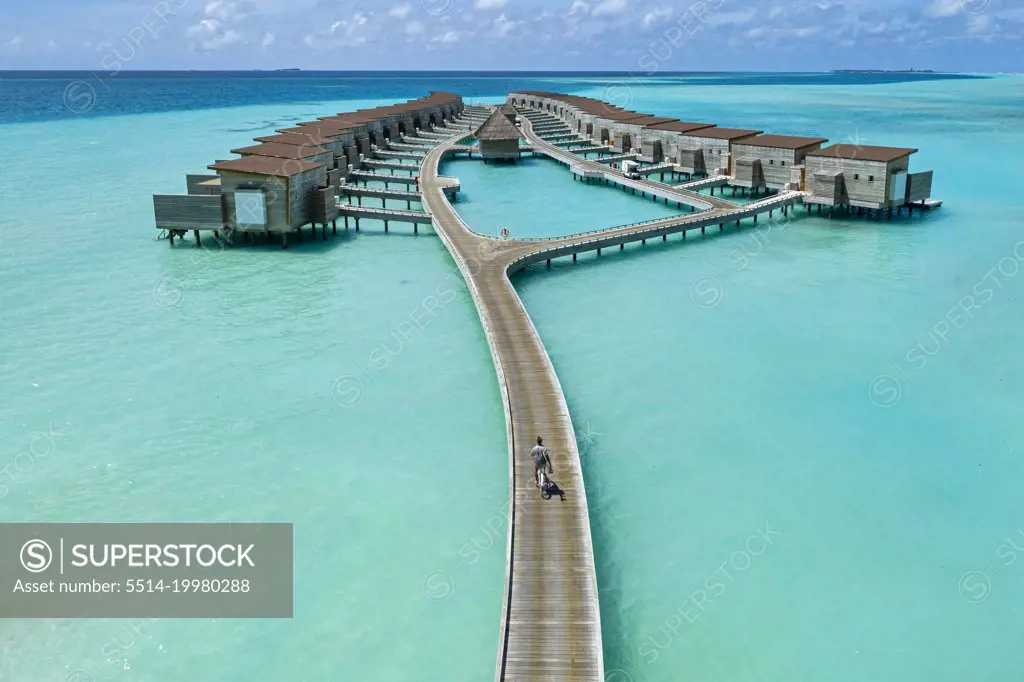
x,y
882,71
287,69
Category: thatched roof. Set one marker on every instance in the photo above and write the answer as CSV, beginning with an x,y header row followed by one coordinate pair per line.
x,y
497,127
507,108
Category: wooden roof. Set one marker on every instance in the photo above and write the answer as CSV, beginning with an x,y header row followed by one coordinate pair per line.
x,y
323,130
648,121
717,133
265,165
864,152
679,126
497,127
281,151
785,141
303,138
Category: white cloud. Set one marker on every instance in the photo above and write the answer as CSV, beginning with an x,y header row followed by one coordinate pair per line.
x,y
211,34
223,10
774,12
400,11
978,23
578,7
350,32
451,37
268,39
657,15
414,28
610,7
14,43
503,26
942,8
731,18
51,46
489,4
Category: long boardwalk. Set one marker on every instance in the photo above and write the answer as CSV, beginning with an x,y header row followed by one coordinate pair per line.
x,y
550,626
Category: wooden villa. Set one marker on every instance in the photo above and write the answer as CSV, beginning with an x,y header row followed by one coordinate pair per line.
x,y
499,138
771,161
864,177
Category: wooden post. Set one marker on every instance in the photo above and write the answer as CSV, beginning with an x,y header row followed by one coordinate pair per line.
x,y
334,226
357,223
385,226
702,229
284,240
170,237
198,242
574,257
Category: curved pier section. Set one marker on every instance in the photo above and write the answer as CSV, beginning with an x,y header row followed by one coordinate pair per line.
x,y
598,169
551,624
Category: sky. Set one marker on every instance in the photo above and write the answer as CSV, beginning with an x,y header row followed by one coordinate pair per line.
x,y
638,36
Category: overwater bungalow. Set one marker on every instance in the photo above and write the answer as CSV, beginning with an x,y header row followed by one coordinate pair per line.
x,y
771,161
864,177
709,150
669,132
499,138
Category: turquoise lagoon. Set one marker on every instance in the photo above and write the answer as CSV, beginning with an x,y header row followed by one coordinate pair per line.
x,y
801,443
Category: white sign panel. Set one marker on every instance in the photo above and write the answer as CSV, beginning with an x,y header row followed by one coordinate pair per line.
x,y
250,208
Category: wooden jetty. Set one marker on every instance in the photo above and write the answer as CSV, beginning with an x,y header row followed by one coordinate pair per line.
x,y
551,623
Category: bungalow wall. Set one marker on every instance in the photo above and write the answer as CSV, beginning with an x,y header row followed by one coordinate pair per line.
x,y
665,138
301,187
499,149
714,152
776,163
287,199
275,192
866,182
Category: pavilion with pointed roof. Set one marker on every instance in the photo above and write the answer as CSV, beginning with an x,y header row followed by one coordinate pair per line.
x,y
499,138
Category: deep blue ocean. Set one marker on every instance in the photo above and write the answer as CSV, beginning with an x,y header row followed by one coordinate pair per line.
x,y
49,95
